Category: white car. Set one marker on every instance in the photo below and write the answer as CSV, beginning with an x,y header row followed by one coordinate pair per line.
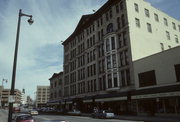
x,y
74,112
33,112
103,114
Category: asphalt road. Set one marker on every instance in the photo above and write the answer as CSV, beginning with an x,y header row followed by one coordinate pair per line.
x,y
40,118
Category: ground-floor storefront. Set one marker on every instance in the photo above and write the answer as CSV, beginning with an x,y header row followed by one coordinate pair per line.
x,y
151,101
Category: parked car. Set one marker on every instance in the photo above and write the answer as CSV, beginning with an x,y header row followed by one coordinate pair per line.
x,y
74,112
24,118
103,114
33,112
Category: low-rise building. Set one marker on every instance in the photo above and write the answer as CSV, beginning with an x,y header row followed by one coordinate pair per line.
x,y
56,89
6,94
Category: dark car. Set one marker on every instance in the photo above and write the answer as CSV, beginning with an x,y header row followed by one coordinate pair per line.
x,y
103,114
24,118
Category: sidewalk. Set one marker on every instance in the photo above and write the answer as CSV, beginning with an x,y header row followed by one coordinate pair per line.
x,y
150,118
145,118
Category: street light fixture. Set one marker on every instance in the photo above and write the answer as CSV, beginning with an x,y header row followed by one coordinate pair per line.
x,y
30,21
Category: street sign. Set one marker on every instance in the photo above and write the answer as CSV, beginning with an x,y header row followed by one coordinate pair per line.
x,y
11,99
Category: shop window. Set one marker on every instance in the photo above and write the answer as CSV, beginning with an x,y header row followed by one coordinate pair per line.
x,y
177,70
147,78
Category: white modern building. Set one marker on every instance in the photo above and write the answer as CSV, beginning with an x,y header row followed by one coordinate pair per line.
x,y
42,95
103,58
23,97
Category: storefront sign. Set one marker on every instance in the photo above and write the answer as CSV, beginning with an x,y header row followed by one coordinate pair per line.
x,y
111,99
168,94
87,101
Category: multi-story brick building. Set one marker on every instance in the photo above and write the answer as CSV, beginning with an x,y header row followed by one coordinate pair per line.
x,y
56,89
99,56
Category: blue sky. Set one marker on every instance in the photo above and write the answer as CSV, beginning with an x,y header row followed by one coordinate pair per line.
x,y
40,50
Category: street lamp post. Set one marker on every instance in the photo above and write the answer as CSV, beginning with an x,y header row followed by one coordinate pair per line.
x,y
30,21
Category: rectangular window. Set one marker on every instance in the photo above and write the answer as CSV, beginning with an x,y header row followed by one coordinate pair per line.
x,y
123,20
117,8
123,78
115,80
113,43
118,23
124,38
168,35
110,13
174,25
165,22
128,77
162,46
100,84
109,81
121,59
114,60
101,21
149,28
107,45
156,17
120,41
94,40
177,70
108,62
136,7
176,39
126,57
137,22
147,78
146,12
107,18
98,22
121,5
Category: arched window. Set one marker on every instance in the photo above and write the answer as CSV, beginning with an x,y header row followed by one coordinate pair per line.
x,y
110,28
